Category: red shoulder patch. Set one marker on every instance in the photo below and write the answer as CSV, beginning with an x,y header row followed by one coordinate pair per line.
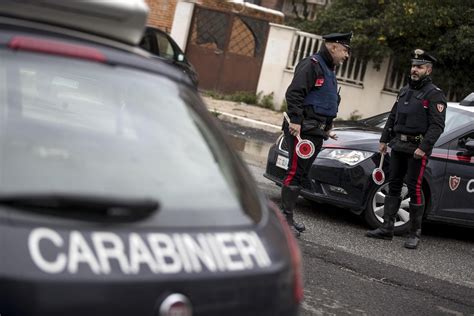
x,y
425,103
319,82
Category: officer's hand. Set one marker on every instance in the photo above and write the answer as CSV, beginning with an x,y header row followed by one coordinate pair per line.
x,y
382,148
294,129
418,154
332,135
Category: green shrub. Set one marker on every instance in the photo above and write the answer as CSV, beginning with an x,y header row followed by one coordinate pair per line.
x,y
243,96
265,101
354,116
284,106
214,94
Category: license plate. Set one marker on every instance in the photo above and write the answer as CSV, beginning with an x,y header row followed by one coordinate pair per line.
x,y
282,162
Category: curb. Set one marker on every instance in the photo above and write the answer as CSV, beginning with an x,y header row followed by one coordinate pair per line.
x,y
244,121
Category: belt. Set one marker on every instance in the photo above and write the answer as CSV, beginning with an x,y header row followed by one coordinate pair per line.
x,y
410,138
312,124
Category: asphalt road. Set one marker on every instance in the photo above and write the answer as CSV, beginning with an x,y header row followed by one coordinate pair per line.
x,y
346,273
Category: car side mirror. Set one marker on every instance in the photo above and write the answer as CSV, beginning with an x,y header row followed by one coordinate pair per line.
x,y
180,57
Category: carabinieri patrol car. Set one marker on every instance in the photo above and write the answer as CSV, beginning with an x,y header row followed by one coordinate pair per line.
x,y
119,194
342,173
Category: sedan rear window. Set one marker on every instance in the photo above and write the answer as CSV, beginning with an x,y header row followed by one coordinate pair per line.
x,y
77,127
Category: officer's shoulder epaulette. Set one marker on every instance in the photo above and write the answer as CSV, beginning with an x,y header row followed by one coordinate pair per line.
x,y
436,88
314,60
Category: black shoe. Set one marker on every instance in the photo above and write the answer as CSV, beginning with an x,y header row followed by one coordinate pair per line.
x,y
380,233
412,242
299,227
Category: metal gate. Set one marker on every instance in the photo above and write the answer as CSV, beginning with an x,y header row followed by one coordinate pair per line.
x,y
227,50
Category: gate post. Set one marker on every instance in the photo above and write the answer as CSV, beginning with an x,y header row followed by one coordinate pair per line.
x,y
182,23
273,76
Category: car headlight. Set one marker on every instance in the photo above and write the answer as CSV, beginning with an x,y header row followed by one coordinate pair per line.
x,y
350,157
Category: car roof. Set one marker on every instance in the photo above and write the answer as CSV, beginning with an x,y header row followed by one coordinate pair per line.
x,y
461,107
116,38
121,20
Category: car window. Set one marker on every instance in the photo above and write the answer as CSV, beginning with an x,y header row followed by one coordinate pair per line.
x,y
456,118
378,120
71,126
165,47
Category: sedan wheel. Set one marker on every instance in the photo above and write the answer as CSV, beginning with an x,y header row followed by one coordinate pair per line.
x,y
375,208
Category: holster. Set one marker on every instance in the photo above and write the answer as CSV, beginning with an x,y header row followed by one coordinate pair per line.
x,y
313,127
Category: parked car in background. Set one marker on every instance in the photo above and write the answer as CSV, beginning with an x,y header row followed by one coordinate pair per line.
x,y
119,193
341,174
159,43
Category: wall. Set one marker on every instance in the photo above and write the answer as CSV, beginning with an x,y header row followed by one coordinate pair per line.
x,y
182,23
161,13
367,100
273,75
272,4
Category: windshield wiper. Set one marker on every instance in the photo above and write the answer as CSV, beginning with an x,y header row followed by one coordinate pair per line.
x,y
83,206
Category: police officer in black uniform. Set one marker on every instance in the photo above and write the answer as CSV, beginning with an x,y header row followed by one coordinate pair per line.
x,y
413,126
313,101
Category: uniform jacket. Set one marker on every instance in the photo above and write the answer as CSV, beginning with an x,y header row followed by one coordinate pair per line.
x,y
420,109
323,96
305,79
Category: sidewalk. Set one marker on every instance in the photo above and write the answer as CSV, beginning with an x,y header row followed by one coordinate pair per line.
x,y
245,114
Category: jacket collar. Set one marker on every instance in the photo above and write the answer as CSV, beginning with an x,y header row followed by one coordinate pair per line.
x,y
418,84
324,53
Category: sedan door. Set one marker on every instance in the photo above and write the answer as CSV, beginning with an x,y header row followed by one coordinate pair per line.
x,y
457,202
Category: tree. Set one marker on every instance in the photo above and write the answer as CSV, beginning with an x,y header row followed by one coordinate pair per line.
x,y
395,27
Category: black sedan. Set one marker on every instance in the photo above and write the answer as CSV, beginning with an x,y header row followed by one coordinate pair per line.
x,y
342,173
119,194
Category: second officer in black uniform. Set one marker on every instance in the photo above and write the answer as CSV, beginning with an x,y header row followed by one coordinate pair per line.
x,y
413,127
313,101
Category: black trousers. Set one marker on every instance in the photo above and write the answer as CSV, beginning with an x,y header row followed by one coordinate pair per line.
x,y
298,168
402,164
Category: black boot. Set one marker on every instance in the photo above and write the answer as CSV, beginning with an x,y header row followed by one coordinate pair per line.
x,y
289,195
390,209
416,216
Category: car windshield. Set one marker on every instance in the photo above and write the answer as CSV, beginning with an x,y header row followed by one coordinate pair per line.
x,y
376,121
76,127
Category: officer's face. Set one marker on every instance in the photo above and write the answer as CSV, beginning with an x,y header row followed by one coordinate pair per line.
x,y
420,71
339,53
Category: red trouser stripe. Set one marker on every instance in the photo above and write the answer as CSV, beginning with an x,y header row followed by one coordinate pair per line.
x,y
420,180
294,164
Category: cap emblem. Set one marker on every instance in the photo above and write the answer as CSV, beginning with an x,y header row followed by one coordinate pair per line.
x,y
418,52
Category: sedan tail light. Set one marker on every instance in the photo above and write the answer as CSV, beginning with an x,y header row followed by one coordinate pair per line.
x,y
294,253
55,48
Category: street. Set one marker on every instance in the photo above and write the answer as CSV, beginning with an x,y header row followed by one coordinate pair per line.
x,y
347,273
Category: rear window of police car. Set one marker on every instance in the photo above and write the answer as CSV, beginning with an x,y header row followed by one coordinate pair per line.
x,y
73,126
